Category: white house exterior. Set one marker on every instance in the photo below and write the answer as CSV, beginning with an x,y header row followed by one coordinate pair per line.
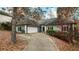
x,y
26,29
32,29
30,26
26,25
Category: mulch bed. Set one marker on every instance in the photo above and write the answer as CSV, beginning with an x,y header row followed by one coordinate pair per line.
x,y
7,45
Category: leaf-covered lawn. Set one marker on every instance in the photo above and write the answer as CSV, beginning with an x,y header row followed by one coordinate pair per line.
x,y
7,45
64,46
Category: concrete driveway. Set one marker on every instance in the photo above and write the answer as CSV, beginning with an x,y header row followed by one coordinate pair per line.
x,y
39,42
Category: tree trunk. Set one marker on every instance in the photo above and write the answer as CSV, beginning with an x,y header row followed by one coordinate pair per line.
x,y
71,33
13,38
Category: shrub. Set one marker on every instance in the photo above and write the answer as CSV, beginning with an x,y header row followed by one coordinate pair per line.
x,y
77,36
60,35
5,26
51,32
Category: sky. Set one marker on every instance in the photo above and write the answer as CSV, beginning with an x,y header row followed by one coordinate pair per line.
x,y
50,12
76,15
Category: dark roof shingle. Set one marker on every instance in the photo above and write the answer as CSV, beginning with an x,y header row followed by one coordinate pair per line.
x,y
26,21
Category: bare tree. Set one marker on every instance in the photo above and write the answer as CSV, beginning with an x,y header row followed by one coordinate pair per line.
x,y
36,13
66,13
13,38
18,12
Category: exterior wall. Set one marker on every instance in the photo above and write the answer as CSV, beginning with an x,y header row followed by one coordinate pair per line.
x,y
39,28
16,28
32,29
26,29
45,28
57,28
42,28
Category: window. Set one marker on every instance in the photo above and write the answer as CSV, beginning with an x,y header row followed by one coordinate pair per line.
x,y
19,28
65,28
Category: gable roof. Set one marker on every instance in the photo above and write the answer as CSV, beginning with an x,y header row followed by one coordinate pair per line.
x,y
26,21
46,21
59,22
31,22
55,21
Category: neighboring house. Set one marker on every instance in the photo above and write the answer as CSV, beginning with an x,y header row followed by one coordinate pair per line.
x,y
4,18
5,22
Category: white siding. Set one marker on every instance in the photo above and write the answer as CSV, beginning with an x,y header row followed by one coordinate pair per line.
x,y
32,29
45,28
17,29
55,28
27,29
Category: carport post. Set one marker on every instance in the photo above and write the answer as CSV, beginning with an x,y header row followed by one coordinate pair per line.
x,y
25,29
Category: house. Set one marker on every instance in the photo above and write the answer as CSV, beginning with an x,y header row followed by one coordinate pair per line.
x,y
29,25
26,25
66,25
49,24
4,18
59,25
